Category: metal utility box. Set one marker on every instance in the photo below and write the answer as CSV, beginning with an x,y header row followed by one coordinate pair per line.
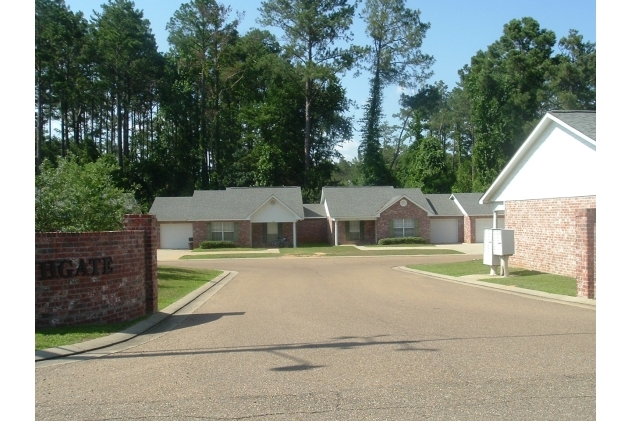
x,y
503,242
489,258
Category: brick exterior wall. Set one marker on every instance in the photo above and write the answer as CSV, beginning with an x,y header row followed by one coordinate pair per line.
x,y
312,230
546,233
468,229
396,211
201,232
96,277
149,225
586,252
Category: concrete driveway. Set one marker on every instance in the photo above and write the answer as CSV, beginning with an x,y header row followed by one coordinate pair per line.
x,y
342,339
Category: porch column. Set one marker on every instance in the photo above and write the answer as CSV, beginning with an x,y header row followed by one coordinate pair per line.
x,y
295,245
494,219
335,233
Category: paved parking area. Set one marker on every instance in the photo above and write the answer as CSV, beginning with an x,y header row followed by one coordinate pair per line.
x,y
342,339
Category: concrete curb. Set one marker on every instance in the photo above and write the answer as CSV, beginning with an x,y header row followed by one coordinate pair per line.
x,y
529,293
191,301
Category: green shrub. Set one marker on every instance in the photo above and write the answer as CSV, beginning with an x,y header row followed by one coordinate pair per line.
x,y
217,245
401,240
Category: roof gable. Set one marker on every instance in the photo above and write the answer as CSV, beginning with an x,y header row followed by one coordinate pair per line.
x,y
239,203
367,202
273,210
554,161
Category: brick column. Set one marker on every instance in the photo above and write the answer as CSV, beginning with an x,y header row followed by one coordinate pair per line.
x,y
585,252
148,224
468,230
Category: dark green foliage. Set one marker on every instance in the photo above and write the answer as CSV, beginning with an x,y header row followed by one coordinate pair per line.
x,y
223,109
401,240
76,197
217,245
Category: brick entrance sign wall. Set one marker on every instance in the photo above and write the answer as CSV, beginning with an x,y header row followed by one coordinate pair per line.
x,y
96,277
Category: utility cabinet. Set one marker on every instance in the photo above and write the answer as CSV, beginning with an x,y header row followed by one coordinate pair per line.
x,y
503,242
498,245
488,257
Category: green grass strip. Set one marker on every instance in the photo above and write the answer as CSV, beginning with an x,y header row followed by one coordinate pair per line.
x,y
173,284
325,252
518,277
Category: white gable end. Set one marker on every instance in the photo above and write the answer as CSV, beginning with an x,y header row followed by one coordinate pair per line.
x,y
273,211
558,164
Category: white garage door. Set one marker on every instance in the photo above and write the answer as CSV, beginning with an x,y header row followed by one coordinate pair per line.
x,y
444,231
175,236
482,223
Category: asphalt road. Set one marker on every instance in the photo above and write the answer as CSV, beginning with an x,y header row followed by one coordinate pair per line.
x,y
342,339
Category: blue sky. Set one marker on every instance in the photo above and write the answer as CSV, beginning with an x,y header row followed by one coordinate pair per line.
x,y
459,28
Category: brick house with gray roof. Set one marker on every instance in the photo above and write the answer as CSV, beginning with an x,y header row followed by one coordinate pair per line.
x,y
256,216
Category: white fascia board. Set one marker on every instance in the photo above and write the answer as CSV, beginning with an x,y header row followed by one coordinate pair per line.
x,y
326,209
249,217
464,212
573,130
488,195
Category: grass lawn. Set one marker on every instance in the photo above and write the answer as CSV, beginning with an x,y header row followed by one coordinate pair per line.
x,y
173,284
521,278
400,245
200,250
314,251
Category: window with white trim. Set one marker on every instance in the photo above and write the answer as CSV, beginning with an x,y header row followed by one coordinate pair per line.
x,y
403,227
353,230
222,231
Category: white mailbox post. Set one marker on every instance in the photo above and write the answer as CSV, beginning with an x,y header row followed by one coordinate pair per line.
x,y
499,244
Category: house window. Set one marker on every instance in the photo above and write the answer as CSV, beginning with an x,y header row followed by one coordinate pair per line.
x,y
272,231
222,231
353,230
403,227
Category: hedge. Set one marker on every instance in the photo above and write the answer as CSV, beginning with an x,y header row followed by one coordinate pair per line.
x,y
401,240
217,245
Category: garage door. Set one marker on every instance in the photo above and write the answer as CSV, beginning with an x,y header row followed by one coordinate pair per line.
x,y
444,231
482,223
175,236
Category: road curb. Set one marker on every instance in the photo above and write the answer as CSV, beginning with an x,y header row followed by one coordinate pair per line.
x,y
191,302
540,295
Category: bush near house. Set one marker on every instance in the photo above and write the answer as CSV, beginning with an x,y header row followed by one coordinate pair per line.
x,y
401,240
217,245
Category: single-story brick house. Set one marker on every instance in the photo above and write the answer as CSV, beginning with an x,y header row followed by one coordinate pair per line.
x,y
256,216
548,195
251,217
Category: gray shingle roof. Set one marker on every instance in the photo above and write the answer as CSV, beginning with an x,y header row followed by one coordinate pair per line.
x,y
314,211
471,204
442,206
366,202
171,208
583,121
238,203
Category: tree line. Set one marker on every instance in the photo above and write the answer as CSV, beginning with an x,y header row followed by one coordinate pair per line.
x,y
224,109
